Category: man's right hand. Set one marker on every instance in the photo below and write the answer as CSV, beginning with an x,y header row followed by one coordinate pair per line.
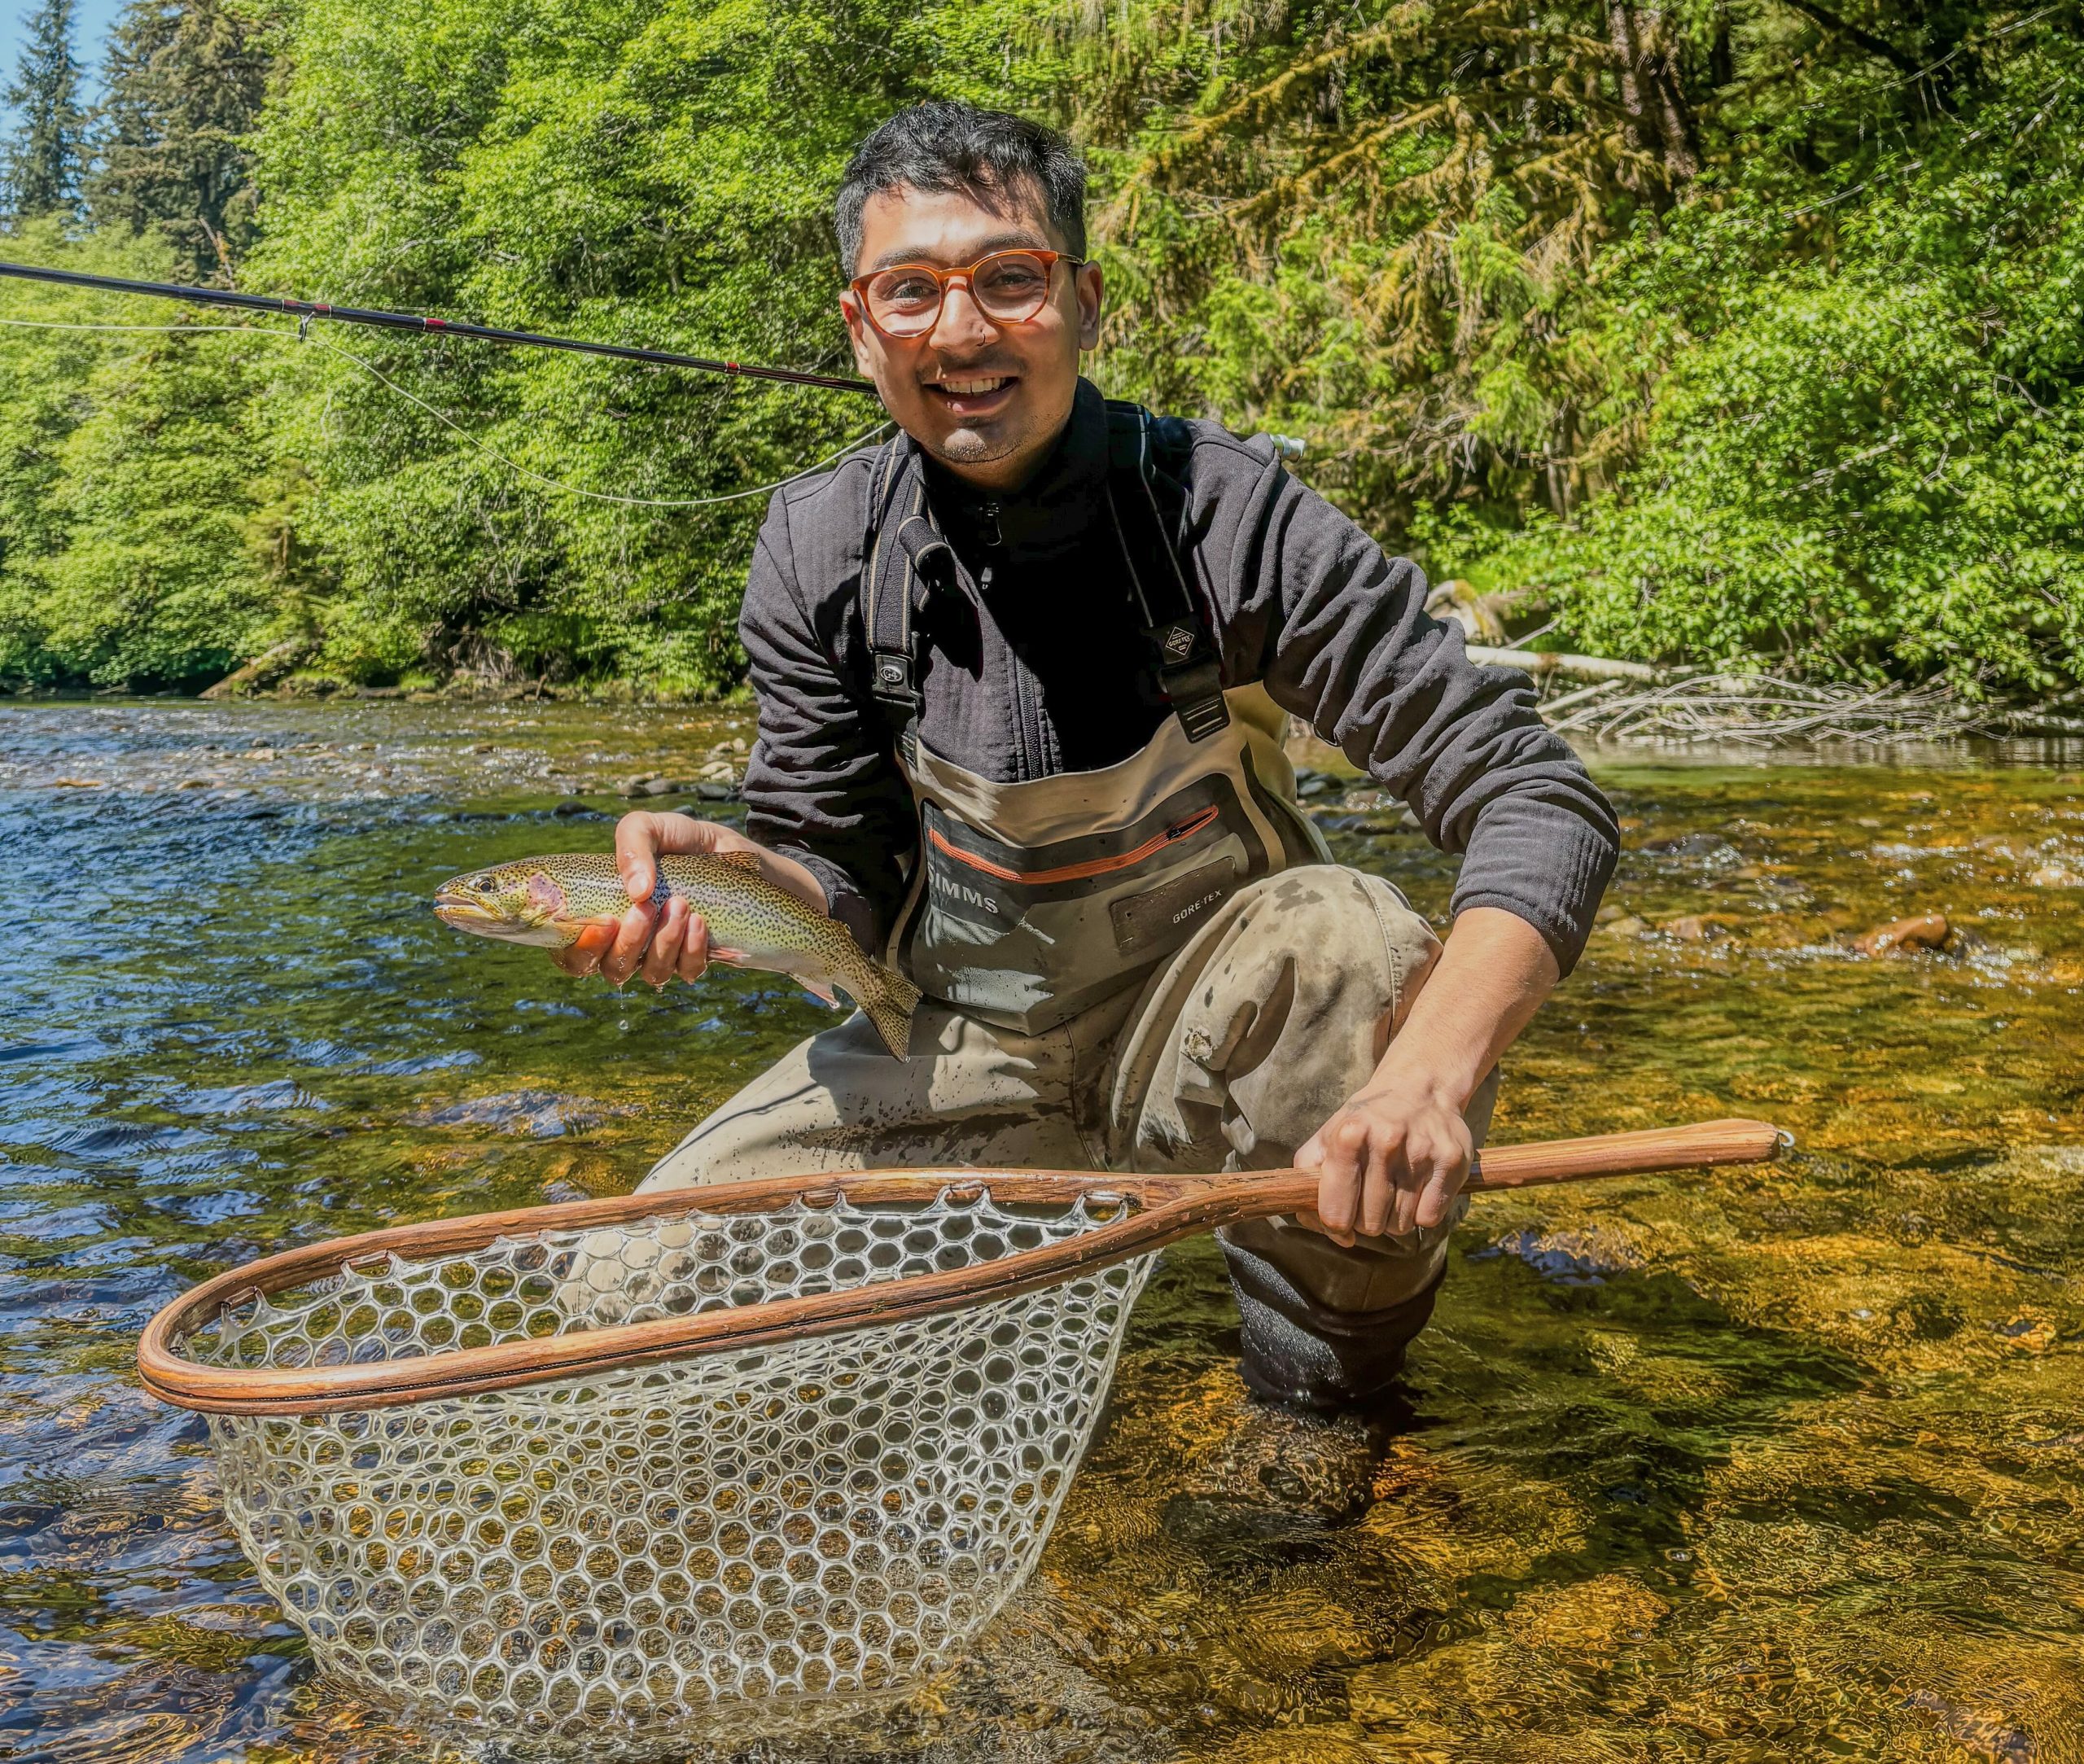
x,y
674,941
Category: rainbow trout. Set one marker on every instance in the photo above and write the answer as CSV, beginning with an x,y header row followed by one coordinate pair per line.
x,y
548,901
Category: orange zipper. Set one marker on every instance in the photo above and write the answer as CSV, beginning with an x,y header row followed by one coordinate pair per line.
x,y
1098,866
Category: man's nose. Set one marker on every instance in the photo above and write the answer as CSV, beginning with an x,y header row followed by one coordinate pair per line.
x,y
960,323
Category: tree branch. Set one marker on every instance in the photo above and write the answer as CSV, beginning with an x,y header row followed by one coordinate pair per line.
x,y
1865,39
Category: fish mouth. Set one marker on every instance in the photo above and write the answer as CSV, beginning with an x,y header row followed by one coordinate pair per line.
x,y
480,920
466,913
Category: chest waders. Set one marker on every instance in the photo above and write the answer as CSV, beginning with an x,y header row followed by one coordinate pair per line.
x,y
1031,902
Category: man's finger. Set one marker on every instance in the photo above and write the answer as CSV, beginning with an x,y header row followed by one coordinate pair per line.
x,y
1378,1187
662,955
1338,1188
632,935
694,951
1441,1182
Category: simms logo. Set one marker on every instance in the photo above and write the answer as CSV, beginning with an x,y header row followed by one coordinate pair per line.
x,y
947,887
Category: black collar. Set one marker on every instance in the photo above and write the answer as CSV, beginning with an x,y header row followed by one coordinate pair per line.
x,y
1047,515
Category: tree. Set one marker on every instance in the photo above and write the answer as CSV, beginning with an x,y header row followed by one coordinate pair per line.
x,y
42,164
184,85
143,526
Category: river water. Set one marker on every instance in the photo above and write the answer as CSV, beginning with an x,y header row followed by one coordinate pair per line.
x,y
1744,1465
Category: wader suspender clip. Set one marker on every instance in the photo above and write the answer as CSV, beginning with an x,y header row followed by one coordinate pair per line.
x,y
1184,661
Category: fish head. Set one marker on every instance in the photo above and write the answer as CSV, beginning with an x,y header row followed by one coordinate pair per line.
x,y
519,903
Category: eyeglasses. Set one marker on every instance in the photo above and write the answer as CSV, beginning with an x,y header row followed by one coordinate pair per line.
x,y
1008,286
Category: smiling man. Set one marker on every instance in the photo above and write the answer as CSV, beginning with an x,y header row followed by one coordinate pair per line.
x,y
1022,676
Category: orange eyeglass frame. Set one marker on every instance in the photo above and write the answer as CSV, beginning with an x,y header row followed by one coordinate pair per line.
x,y
859,286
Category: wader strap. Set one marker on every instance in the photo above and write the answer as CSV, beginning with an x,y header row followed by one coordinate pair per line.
x,y
905,541
1184,660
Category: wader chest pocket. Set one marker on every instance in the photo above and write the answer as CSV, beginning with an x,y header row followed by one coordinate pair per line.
x,y
1034,932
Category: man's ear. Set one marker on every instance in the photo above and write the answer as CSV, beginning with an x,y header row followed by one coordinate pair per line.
x,y
1089,291
857,332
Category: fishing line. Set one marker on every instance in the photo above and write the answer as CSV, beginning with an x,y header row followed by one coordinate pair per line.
x,y
450,422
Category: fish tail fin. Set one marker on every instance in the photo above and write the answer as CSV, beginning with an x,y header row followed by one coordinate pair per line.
x,y
890,1009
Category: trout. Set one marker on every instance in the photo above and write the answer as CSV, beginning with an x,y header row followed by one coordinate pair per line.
x,y
548,901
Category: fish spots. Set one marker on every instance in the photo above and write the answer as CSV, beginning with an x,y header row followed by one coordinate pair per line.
x,y
545,895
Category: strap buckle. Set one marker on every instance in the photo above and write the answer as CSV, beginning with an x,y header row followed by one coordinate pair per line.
x,y
894,682
1189,678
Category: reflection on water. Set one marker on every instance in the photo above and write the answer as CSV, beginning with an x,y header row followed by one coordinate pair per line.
x,y
1728,1466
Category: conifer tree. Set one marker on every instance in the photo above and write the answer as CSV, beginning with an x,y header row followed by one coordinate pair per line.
x,y
184,83
39,166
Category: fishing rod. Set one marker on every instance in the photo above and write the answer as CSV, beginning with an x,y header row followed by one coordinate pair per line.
x,y
305,311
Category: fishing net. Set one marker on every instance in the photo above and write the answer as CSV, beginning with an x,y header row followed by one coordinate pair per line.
x,y
819,1517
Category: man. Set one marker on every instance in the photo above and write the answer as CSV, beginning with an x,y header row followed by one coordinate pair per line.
x,y
1021,676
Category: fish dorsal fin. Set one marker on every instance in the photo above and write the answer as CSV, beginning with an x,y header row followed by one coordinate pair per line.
x,y
744,860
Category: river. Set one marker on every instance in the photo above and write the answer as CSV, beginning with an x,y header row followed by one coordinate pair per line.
x,y
1742,1465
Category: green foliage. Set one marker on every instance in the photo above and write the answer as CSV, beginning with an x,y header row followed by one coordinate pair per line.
x,y
39,166
651,174
136,542
1739,329
1873,461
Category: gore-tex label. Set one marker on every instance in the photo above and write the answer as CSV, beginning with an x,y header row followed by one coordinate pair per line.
x,y
1163,918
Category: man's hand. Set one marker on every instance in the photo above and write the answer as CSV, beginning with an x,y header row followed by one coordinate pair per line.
x,y
1395,1156
674,941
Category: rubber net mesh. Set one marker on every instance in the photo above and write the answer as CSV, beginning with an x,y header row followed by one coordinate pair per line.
x,y
822,1517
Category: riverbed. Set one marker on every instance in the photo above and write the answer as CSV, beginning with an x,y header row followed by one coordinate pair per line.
x,y
1749,1464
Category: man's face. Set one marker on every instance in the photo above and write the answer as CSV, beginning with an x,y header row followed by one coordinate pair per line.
x,y
987,399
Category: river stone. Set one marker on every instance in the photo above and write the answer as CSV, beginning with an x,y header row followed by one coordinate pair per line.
x,y
1927,930
1593,1619
1694,847
1278,1459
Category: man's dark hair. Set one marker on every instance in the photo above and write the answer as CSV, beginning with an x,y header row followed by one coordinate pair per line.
x,y
938,146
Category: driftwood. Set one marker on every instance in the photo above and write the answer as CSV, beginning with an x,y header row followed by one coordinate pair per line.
x,y
1633,701
1540,664
1763,711
263,671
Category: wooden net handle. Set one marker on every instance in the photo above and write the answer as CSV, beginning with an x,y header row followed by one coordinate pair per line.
x,y
1163,1211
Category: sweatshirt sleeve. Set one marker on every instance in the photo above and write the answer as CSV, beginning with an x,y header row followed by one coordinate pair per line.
x,y
821,786
1339,634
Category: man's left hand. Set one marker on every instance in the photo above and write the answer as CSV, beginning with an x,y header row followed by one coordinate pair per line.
x,y
1394,1159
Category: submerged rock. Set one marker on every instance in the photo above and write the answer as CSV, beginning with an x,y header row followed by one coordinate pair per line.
x,y
1708,848
1927,930
1276,1459
1696,928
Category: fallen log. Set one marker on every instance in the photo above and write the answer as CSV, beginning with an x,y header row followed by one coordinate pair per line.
x,y
262,670
1539,662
